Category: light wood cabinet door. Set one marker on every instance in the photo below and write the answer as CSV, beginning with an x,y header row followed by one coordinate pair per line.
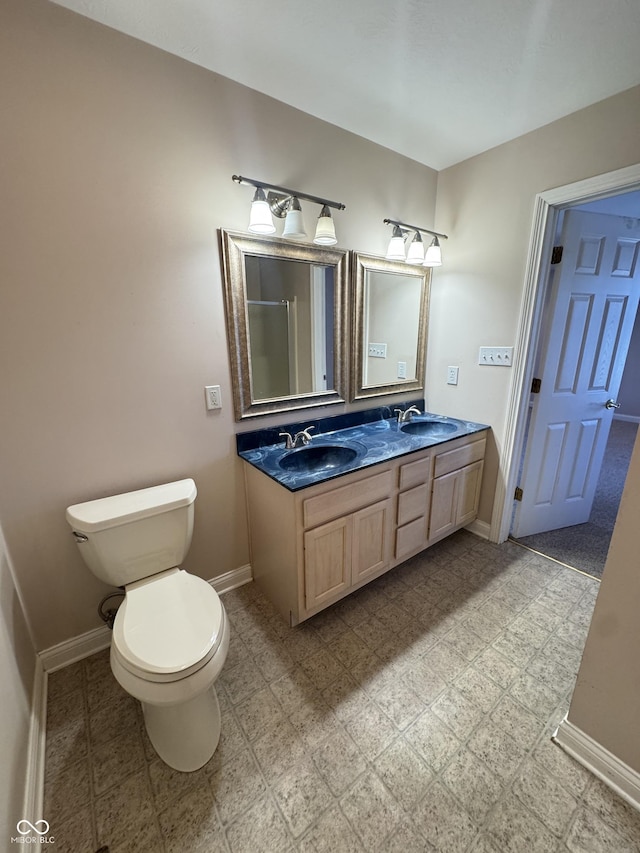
x,y
444,502
454,500
371,544
469,493
327,562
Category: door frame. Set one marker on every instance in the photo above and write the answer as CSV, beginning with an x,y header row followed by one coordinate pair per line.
x,y
545,215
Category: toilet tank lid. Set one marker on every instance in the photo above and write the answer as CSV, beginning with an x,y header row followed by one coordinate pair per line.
x,y
108,512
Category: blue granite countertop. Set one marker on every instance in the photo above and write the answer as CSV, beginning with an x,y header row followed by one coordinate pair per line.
x,y
348,449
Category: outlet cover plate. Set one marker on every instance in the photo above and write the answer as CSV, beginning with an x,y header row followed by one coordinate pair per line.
x,y
213,397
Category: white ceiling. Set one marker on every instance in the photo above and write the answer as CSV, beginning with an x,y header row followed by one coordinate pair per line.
x,y
436,80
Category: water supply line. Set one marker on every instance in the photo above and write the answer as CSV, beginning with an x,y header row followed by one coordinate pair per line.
x,y
109,616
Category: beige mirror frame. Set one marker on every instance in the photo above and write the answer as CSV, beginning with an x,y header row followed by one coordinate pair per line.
x,y
236,249
413,320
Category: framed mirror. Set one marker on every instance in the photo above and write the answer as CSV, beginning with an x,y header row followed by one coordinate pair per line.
x,y
285,305
390,317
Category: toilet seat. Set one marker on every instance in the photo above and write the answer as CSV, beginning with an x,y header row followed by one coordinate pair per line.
x,y
168,627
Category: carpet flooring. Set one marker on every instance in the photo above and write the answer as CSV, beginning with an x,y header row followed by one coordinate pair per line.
x,y
585,546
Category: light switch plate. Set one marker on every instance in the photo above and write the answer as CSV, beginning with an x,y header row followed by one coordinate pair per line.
x,y
496,356
378,350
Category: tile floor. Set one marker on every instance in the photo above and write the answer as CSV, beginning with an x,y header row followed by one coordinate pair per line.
x,y
415,715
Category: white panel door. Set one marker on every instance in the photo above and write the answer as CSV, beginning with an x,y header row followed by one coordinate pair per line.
x,y
594,300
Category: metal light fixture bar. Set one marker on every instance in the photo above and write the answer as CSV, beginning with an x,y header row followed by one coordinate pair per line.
x,y
415,228
294,193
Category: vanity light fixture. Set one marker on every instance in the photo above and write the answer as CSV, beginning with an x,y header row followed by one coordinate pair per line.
x,y
416,255
325,229
260,221
285,204
395,252
293,224
433,255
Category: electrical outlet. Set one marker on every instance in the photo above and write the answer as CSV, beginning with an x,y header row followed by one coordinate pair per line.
x,y
402,370
213,397
378,350
496,356
452,375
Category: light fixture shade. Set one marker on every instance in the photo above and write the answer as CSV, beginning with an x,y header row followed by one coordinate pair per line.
x,y
395,252
415,255
260,219
325,229
433,256
293,224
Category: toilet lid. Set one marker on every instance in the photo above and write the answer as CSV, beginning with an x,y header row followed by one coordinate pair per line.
x,y
168,623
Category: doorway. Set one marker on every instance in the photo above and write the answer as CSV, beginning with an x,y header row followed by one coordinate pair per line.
x,y
548,212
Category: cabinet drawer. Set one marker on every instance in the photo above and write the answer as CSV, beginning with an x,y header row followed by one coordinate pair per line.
x,y
412,504
413,473
346,499
451,460
411,537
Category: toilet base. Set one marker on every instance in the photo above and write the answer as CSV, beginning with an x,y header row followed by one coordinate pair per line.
x,y
185,736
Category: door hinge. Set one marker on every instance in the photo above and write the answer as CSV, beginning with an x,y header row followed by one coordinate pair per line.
x,y
536,385
518,494
556,254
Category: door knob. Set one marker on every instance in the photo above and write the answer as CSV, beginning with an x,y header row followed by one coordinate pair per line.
x,y
611,404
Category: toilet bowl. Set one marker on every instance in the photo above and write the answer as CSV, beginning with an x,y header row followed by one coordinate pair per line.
x,y
171,633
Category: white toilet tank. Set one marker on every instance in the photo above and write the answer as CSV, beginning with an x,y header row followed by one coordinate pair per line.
x,y
127,537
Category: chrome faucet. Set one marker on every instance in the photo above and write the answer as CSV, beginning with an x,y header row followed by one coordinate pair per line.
x,y
404,417
303,436
288,440
292,441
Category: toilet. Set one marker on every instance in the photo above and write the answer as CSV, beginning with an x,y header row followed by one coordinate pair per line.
x,y
171,633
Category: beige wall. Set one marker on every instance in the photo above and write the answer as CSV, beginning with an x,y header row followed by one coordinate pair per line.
x,y
485,205
17,663
115,174
392,319
606,700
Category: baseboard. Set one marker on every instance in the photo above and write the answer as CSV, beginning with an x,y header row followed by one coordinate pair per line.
x,y
75,649
634,419
232,580
604,764
83,646
480,528
34,778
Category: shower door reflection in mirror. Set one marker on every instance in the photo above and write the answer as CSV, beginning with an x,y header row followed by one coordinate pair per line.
x,y
290,315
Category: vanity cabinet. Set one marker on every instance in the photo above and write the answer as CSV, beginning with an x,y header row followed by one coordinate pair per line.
x,y
312,547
